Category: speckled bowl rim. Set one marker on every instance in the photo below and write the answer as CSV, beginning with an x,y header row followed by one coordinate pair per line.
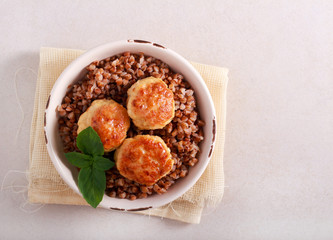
x,y
75,71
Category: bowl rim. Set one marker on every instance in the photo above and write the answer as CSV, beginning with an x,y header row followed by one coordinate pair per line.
x,y
110,45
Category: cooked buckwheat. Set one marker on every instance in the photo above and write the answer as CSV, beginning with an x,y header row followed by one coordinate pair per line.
x,y
110,78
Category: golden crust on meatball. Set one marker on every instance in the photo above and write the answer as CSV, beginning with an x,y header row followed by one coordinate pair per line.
x,y
150,103
109,119
144,159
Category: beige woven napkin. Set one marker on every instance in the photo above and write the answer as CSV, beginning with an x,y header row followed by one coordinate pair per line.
x,y
45,184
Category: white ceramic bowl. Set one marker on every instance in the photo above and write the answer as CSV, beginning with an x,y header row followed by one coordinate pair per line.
x,y
76,70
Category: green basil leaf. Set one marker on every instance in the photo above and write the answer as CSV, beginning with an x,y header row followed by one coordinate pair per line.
x,y
102,163
78,159
92,184
89,142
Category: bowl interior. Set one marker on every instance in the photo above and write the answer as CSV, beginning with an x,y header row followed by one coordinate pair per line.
x,y
76,70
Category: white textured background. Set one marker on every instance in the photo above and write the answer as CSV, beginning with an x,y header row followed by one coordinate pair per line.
x,y
278,153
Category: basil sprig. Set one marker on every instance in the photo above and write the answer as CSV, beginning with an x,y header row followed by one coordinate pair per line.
x,y
91,180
